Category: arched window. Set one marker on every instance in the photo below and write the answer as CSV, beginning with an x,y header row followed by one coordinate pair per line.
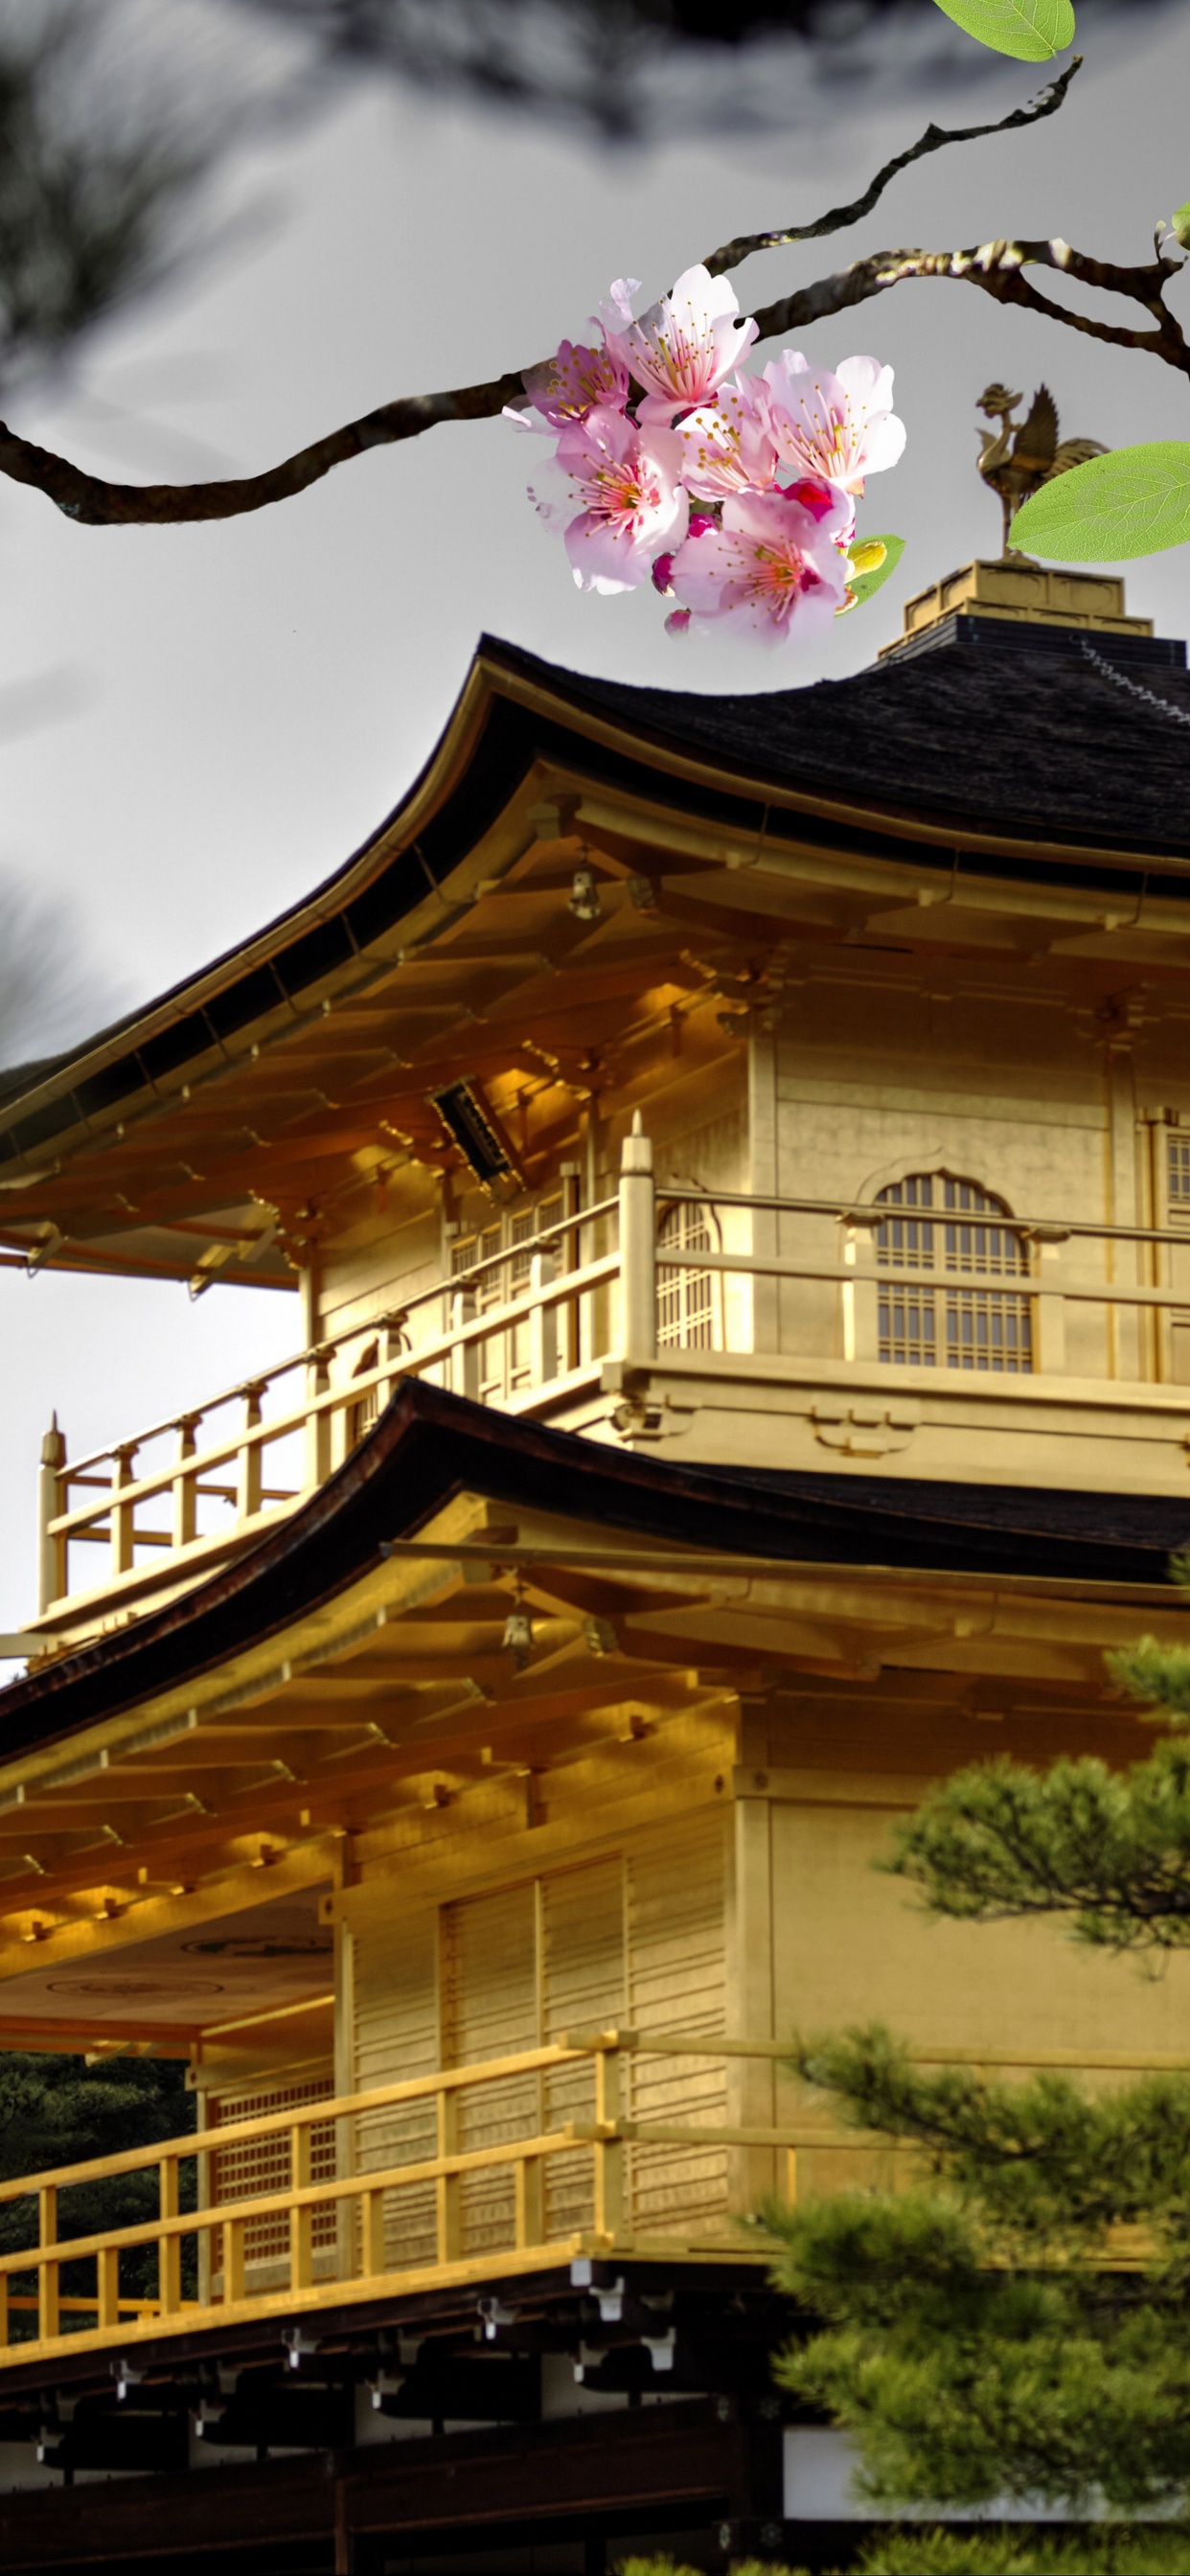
x,y
687,1306
935,1223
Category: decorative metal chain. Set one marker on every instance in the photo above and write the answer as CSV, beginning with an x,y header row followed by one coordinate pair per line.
x,y
1179,714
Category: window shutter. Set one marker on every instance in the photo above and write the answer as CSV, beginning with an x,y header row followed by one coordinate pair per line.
x,y
396,2038
678,1982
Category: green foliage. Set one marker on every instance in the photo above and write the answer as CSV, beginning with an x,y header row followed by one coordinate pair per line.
x,y
925,2550
1116,2551
1136,501
1108,1850
982,2336
1180,227
866,584
1032,31
59,2111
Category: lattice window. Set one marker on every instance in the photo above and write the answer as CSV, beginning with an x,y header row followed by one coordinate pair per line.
x,y
1178,1148
951,1226
504,1361
264,2164
686,1302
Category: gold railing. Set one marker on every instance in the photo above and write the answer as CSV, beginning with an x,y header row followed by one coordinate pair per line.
x,y
656,1291
401,2223
666,2189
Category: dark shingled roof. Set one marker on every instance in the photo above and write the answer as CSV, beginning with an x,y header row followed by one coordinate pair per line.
x,y
981,726
1006,732
429,1446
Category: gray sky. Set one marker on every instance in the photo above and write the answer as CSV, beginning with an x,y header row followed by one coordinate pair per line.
x,y
240,705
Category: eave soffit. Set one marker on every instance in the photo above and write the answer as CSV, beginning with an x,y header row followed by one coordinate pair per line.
x,y
218,1112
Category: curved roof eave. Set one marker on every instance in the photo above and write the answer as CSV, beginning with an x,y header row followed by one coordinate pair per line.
x,y
429,1446
720,756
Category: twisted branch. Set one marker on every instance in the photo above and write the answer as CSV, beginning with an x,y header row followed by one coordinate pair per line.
x,y
995,267
1046,103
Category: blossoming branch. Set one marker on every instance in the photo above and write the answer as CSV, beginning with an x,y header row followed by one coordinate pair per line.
x,y
654,414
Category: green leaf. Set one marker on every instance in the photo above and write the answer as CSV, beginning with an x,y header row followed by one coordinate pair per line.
x,y
1032,31
865,584
1181,227
1134,502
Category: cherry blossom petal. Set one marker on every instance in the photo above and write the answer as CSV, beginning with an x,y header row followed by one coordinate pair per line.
x,y
837,428
684,347
728,445
579,379
616,491
771,570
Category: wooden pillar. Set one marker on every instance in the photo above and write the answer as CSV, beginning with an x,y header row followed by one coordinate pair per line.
x,y
764,1180
1123,1331
861,1297
638,1244
543,1323
308,1284
123,1514
318,1427
185,1486
751,2081
464,1359
251,1463
1049,1306
51,1500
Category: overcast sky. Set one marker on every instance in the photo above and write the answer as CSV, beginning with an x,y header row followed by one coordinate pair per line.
x,y
227,711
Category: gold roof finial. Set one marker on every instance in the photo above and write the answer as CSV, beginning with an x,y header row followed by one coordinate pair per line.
x,y
1023,455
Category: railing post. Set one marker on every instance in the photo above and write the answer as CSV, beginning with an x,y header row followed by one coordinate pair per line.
x,y
543,1323
51,1553
1049,1305
371,2234
48,2274
396,1343
569,1257
449,2186
638,1243
301,2221
233,2261
318,1426
464,1359
107,2285
251,1462
169,2248
184,1490
609,2151
861,1297
122,1514
529,2202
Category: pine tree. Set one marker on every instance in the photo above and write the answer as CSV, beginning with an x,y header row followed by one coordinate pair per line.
x,y
1016,2322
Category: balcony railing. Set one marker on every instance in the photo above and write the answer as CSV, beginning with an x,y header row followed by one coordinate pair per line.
x,y
408,2204
671,1283
401,2203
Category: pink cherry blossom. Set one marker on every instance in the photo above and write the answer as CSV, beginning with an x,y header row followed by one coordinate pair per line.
x,y
617,493
728,445
836,427
773,568
684,347
579,379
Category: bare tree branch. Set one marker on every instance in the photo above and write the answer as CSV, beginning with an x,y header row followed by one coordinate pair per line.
x,y
994,267
1047,102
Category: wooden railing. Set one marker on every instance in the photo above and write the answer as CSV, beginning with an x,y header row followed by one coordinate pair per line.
x,y
668,2189
408,2219
185,1490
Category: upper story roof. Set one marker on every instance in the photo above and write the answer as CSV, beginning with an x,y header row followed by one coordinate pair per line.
x,y
924,805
